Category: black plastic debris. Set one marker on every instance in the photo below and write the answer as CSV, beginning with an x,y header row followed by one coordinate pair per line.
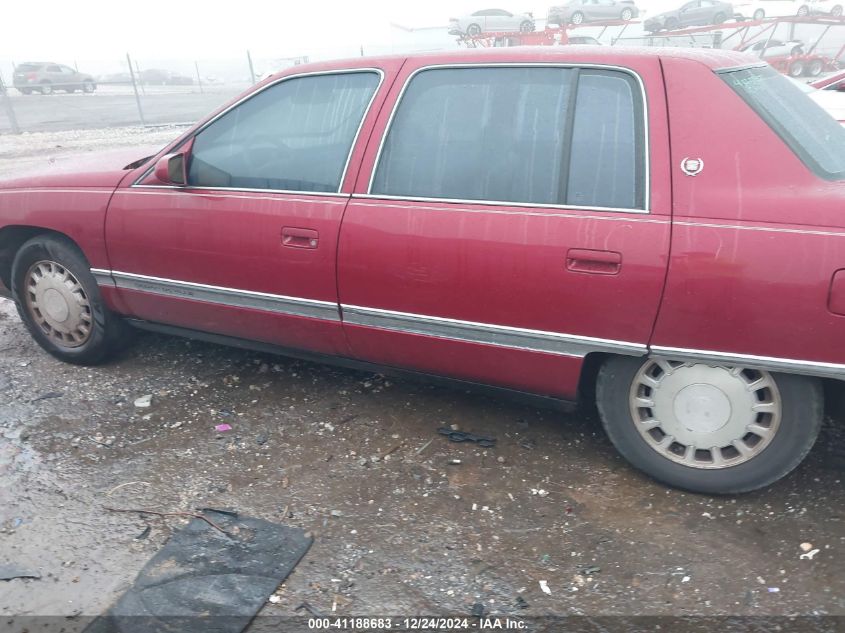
x,y
205,580
478,610
463,436
11,572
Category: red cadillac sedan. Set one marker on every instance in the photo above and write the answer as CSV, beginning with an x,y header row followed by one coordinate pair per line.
x,y
659,231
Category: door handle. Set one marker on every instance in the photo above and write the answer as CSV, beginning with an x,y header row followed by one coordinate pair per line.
x,y
580,260
299,238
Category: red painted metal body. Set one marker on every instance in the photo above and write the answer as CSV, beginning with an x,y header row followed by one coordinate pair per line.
x,y
739,259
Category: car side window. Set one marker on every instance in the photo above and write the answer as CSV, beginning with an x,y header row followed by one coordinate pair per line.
x,y
53,69
537,135
293,136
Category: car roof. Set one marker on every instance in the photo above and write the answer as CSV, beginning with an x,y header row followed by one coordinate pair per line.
x,y
712,58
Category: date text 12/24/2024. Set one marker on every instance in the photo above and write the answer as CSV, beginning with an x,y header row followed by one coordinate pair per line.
x,y
417,624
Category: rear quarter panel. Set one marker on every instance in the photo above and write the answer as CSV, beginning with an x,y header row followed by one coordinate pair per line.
x,y
757,237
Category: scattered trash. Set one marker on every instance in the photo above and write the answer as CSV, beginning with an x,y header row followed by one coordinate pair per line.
x,y
47,396
806,547
305,605
144,402
424,446
454,462
261,440
143,534
589,570
544,585
774,589
809,555
11,572
521,603
539,492
275,599
228,513
463,436
685,579
222,428
477,610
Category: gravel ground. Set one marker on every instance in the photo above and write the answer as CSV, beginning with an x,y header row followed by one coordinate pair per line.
x,y
355,459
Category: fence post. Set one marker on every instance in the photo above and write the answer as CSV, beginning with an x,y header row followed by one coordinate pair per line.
x,y
251,69
199,79
135,88
7,106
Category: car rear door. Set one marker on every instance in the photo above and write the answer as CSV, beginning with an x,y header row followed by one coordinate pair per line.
x,y
464,252
248,248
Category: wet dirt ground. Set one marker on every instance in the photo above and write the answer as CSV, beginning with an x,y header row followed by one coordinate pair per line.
x,y
356,459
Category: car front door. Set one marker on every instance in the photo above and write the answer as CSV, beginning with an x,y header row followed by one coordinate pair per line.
x,y
248,247
513,220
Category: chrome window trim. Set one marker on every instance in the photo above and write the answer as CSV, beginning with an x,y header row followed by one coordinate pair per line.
x,y
486,333
219,295
788,365
341,71
499,203
646,132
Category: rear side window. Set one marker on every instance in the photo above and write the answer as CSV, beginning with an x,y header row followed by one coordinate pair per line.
x,y
27,68
536,135
293,136
810,132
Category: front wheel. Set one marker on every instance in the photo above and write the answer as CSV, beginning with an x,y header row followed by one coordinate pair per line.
x,y
803,11
719,18
527,26
88,87
59,301
836,11
715,429
815,68
627,14
796,68
577,18
759,14
473,30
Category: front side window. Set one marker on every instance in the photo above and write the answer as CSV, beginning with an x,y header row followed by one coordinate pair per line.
x,y
811,133
293,136
537,135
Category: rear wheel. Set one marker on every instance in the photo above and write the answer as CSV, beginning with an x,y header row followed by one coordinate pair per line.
x,y
26,91
719,18
803,11
759,14
473,30
836,11
577,18
715,429
88,87
527,26
626,15
46,88
815,68
59,301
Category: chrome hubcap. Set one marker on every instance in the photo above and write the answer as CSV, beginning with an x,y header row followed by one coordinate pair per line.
x,y
58,304
705,416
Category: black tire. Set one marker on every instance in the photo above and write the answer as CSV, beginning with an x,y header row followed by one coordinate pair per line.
x,y
796,68
473,30
803,11
815,68
109,333
719,18
802,406
626,14
527,26
577,18
46,88
88,87
836,11
759,14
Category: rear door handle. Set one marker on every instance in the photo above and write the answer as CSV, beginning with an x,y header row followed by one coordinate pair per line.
x,y
580,260
299,238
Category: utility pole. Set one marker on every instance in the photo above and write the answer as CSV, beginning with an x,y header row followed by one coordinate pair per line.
x,y
135,88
